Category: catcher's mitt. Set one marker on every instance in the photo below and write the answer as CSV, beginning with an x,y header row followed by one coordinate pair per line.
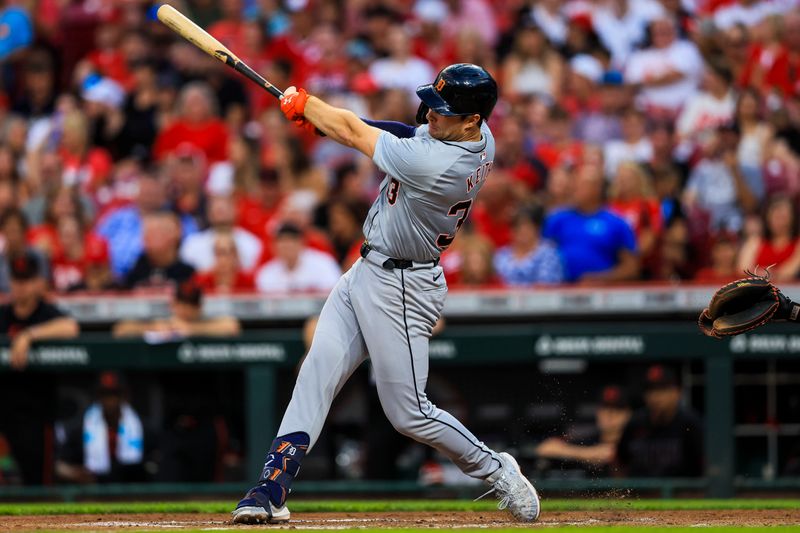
x,y
745,304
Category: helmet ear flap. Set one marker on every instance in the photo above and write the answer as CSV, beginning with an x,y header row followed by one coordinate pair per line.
x,y
422,111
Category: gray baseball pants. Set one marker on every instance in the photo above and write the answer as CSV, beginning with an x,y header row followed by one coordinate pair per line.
x,y
386,315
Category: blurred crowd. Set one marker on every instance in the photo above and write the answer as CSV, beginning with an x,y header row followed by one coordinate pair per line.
x,y
636,140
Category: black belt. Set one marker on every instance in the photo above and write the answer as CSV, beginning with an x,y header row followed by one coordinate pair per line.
x,y
391,262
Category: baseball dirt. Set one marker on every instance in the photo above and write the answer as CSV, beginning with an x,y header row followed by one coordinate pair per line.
x,y
440,520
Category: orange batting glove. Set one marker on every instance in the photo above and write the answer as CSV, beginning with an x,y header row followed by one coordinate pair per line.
x,y
294,104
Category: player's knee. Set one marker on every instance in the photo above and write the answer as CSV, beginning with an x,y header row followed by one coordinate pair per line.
x,y
406,423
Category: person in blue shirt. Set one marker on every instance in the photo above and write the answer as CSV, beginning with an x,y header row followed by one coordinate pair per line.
x,y
595,245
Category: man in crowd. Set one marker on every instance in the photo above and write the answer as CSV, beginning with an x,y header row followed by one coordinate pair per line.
x,y
158,264
296,267
662,439
198,249
186,320
595,245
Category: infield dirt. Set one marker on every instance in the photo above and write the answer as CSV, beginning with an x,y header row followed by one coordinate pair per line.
x,y
433,520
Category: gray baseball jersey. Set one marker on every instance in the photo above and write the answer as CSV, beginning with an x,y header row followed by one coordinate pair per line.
x,y
427,194
388,314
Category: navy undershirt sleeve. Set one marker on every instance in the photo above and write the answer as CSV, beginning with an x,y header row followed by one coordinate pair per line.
x,y
398,129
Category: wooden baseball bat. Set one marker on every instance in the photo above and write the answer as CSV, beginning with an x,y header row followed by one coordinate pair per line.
x,y
205,42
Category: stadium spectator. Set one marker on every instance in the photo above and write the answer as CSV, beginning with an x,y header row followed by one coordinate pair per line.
x,y
122,227
226,275
257,212
662,439
186,169
632,198
675,259
719,186
603,123
598,447
109,443
197,249
532,67
528,260
18,31
559,147
723,268
159,265
344,221
401,69
595,245
634,145
296,267
186,319
468,263
28,317
777,247
197,123
14,229
620,26
36,99
134,134
668,72
78,252
63,201
708,109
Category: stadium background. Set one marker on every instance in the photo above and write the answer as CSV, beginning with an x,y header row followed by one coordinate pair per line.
x,y
111,125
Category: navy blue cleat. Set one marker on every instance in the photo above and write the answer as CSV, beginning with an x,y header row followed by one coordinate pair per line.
x,y
257,508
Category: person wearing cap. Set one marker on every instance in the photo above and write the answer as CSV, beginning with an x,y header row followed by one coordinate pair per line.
x,y
662,439
186,319
296,267
596,126
28,317
108,443
528,260
598,447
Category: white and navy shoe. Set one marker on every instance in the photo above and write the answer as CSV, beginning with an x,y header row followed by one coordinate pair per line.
x,y
514,490
257,508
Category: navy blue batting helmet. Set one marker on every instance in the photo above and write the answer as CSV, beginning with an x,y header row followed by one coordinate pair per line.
x,y
460,89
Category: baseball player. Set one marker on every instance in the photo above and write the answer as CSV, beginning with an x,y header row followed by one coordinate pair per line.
x,y
386,305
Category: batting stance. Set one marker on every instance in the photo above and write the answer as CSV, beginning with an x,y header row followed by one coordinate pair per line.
x,y
386,305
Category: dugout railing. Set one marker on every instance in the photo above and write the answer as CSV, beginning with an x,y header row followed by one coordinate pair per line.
x,y
260,355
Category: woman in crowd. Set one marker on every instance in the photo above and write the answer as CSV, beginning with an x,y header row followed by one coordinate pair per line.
x,y
528,260
632,198
532,67
227,274
777,246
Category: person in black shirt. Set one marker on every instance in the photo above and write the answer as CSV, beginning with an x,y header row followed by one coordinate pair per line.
x,y
662,439
159,264
28,317
108,443
593,450
28,400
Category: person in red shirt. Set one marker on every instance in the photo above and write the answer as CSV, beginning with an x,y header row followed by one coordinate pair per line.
x,y
230,29
78,252
632,198
61,202
226,275
782,77
197,123
560,146
723,267
84,165
777,247
475,265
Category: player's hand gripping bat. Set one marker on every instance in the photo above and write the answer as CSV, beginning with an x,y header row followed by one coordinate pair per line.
x,y
205,42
